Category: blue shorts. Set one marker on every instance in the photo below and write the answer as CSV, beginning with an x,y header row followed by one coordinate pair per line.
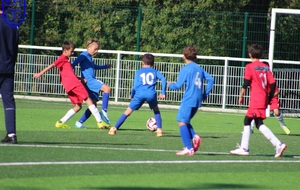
x,y
137,102
94,87
185,114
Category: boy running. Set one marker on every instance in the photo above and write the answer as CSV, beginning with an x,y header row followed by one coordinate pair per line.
x,y
258,76
94,86
144,90
74,88
191,76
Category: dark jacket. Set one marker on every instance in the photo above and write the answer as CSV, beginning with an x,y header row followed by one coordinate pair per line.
x,y
9,40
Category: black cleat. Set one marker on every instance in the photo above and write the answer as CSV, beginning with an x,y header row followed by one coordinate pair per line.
x,y
11,140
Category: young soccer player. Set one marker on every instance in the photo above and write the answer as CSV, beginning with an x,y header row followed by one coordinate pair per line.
x,y
144,90
93,85
192,77
274,106
258,76
74,88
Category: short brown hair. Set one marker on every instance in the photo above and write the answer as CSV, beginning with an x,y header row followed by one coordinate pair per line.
x,y
190,53
148,59
256,50
93,40
68,45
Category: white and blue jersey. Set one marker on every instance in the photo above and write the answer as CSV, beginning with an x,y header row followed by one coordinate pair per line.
x,y
143,88
192,76
88,68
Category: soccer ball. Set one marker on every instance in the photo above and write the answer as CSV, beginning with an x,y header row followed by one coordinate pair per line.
x,y
151,124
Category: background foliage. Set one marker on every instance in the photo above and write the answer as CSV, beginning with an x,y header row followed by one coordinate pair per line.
x,y
217,27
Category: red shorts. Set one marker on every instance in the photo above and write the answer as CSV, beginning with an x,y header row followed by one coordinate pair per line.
x,y
78,94
274,104
256,113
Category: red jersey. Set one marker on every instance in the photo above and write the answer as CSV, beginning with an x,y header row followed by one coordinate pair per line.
x,y
260,78
67,76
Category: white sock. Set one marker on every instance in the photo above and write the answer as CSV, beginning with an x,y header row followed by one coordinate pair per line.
x,y
68,115
280,119
269,135
252,124
246,137
95,112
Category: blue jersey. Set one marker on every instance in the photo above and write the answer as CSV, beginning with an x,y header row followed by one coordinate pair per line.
x,y
88,68
145,80
192,75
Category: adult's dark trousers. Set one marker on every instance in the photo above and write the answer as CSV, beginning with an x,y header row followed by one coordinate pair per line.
x,y
8,100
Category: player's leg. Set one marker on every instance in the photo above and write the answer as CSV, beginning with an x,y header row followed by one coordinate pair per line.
x,y
7,93
67,116
183,118
153,104
134,104
86,115
195,137
243,148
280,119
94,110
105,99
280,147
158,119
120,121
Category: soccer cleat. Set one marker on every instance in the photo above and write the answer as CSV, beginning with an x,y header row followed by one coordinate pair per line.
x,y
104,116
185,151
112,131
79,125
280,150
61,125
11,140
286,130
240,151
159,132
103,125
196,142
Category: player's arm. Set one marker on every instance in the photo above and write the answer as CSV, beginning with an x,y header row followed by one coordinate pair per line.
x,y
135,82
272,91
243,90
180,82
98,67
78,60
37,75
276,93
210,82
163,84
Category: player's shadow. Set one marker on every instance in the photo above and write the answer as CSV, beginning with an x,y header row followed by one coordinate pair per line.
x,y
76,143
198,186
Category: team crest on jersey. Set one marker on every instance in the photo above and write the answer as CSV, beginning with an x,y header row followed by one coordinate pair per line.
x,y
14,12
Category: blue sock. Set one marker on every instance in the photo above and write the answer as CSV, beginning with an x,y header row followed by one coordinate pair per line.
x,y
105,99
85,116
185,136
191,131
120,121
158,119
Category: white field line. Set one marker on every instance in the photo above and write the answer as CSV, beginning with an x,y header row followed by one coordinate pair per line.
x,y
148,162
132,162
98,147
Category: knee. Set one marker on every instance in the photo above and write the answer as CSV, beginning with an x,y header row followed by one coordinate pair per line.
x,y
105,88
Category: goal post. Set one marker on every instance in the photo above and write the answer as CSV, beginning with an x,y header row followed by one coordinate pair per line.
x,y
272,30
272,36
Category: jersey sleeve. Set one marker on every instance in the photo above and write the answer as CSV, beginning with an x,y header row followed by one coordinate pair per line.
x,y
78,60
210,82
163,82
98,67
180,81
247,72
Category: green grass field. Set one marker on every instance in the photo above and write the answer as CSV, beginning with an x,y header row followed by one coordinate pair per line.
x,y
50,158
